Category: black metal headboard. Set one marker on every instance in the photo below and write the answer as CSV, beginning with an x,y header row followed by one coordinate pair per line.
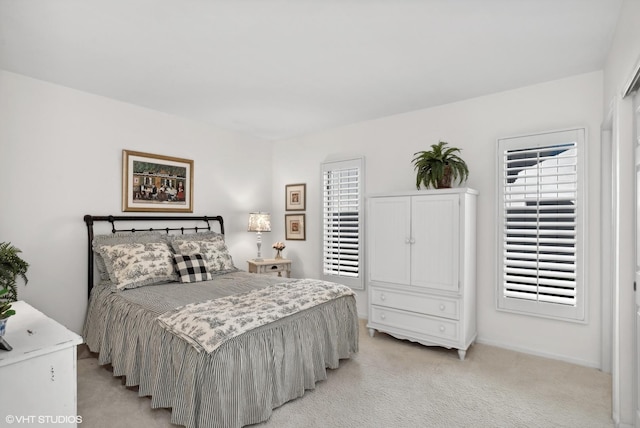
x,y
91,219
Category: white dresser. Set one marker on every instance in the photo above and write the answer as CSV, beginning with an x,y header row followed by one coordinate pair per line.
x,y
421,249
39,385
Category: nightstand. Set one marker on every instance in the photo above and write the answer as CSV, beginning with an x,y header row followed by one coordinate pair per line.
x,y
39,374
270,266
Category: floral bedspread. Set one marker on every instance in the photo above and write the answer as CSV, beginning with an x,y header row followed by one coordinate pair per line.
x,y
207,325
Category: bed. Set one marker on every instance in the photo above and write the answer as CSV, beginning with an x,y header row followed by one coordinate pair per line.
x,y
224,375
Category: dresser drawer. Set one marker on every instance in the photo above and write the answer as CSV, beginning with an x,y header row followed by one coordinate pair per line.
x,y
273,268
430,305
270,266
422,324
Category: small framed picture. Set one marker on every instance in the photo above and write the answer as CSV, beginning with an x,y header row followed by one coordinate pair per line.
x,y
294,227
296,197
156,183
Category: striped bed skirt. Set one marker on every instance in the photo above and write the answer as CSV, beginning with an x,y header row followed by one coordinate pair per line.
x,y
238,384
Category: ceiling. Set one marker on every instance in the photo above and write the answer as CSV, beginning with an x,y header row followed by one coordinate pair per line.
x,y
277,69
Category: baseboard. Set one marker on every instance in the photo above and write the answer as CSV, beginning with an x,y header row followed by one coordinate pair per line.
x,y
617,424
578,361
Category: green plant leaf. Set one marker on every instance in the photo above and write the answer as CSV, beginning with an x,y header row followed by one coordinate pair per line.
x,y
7,314
11,267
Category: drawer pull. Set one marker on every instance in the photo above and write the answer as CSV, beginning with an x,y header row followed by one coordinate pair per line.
x,y
274,267
383,316
442,307
383,297
442,329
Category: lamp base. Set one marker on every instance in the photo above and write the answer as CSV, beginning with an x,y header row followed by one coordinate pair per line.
x,y
258,259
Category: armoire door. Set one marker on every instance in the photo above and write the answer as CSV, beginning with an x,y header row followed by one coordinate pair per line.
x,y
435,241
389,235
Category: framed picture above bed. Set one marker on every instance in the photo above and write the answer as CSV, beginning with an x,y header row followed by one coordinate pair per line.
x,y
294,227
156,183
296,197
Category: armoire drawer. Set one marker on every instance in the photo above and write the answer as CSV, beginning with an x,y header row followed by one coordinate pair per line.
x,y
422,304
422,324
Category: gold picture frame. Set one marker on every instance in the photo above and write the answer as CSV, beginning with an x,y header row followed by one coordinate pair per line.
x,y
156,183
295,197
294,226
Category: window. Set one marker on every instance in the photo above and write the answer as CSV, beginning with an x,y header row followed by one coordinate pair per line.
x,y
541,211
342,212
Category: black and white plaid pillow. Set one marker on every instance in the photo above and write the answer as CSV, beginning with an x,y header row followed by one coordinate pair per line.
x,y
191,268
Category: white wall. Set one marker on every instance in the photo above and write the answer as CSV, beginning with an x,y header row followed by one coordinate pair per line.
x,y
60,158
60,153
473,125
623,56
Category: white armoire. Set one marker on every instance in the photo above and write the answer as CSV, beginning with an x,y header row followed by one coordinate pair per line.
x,y
421,250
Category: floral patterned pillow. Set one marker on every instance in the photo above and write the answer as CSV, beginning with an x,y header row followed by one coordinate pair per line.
x,y
121,238
213,250
133,265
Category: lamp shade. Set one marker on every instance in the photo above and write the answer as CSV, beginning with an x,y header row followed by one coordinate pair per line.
x,y
259,222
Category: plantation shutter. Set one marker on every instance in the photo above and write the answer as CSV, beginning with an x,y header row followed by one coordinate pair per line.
x,y
540,211
342,222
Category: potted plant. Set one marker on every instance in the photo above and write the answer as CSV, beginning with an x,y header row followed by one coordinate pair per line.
x,y
439,167
11,267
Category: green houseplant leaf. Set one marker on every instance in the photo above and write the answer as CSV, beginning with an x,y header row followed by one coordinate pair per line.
x,y
11,267
439,166
5,307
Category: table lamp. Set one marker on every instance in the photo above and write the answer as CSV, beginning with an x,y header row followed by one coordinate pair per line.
x,y
259,222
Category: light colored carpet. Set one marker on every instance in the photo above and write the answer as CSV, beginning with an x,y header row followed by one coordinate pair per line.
x,y
393,383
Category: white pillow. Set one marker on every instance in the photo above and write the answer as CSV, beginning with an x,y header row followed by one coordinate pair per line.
x,y
132,265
